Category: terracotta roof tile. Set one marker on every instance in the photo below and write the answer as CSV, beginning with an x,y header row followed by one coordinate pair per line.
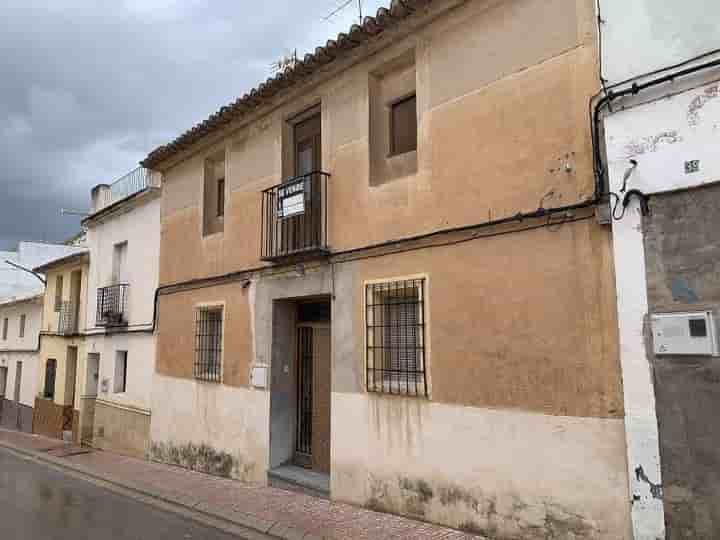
x,y
309,64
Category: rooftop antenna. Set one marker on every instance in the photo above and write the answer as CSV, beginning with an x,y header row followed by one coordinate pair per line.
x,y
285,63
68,212
344,5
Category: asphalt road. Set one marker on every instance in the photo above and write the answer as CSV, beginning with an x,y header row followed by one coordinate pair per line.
x,y
37,502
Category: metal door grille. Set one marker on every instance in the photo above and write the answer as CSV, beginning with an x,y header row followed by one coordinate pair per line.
x,y
208,344
395,336
303,437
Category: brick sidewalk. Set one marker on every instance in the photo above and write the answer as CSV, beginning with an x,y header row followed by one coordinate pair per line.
x,y
279,513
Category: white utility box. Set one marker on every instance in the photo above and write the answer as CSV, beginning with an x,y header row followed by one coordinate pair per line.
x,y
258,376
684,333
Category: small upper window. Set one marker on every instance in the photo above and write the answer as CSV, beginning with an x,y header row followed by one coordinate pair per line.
x,y
403,126
22,325
5,329
221,197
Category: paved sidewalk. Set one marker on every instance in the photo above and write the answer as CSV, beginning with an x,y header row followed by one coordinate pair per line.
x,y
275,512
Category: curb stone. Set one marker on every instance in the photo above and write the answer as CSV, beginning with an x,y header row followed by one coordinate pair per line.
x,y
262,529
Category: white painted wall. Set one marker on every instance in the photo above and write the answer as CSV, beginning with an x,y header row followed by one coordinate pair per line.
x,y
640,36
232,420
661,136
24,349
138,224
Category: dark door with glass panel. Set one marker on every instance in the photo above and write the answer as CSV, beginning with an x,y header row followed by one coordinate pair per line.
x,y
301,225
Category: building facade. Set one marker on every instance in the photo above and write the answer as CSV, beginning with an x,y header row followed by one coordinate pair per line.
x,y
123,236
61,374
19,359
659,118
382,279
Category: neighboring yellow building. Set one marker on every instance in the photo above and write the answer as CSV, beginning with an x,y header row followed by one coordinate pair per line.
x,y
62,350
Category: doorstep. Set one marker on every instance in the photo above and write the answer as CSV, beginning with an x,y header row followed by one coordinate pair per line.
x,y
300,480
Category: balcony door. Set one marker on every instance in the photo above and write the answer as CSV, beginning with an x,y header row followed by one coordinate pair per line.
x,y
301,231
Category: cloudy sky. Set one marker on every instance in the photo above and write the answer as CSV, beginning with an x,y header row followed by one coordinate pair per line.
x,y
89,87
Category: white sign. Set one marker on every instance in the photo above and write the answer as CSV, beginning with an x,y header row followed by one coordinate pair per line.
x,y
291,200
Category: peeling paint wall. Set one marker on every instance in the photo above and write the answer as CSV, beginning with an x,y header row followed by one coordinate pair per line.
x,y
664,262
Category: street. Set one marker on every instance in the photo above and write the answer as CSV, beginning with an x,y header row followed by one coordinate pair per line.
x,y
37,502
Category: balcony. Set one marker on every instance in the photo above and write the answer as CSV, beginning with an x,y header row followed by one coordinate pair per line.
x,y
294,219
112,305
140,179
68,318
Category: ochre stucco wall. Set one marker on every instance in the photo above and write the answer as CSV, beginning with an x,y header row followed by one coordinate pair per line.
x,y
510,98
176,332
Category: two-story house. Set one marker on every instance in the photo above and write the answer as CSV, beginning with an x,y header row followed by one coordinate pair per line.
x,y
62,347
123,236
19,352
382,279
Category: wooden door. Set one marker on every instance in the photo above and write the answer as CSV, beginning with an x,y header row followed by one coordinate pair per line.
x,y
312,438
302,231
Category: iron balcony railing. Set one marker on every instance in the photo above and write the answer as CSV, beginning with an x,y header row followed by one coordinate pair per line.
x,y
68,318
133,182
294,218
112,305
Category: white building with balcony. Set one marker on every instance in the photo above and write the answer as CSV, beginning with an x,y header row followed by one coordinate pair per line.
x,y
123,236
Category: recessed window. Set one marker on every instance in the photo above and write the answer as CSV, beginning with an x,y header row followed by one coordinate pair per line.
x,y
221,197
214,194
698,328
396,337
403,126
49,389
120,384
22,325
58,292
5,329
208,343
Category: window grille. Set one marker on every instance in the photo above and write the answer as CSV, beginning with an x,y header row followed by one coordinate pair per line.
x,y
58,292
208,344
395,334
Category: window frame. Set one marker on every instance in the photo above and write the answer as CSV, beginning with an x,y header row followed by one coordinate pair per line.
x,y
201,366
383,380
120,356
59,279
220,187
392,143
50,394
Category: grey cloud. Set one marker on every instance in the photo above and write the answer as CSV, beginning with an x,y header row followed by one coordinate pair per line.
x,y
88,87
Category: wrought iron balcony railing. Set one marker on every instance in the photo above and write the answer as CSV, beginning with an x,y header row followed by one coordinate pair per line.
x,y
294,218
112,305
68,318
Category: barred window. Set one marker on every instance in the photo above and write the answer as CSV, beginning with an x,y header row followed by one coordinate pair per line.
x,y
208,343
395,334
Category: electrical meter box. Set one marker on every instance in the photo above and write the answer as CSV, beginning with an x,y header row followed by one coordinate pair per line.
x,y
684,333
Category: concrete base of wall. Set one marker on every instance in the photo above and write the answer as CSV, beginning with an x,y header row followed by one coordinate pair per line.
x,y
499,473
121,429
50,419
16,416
